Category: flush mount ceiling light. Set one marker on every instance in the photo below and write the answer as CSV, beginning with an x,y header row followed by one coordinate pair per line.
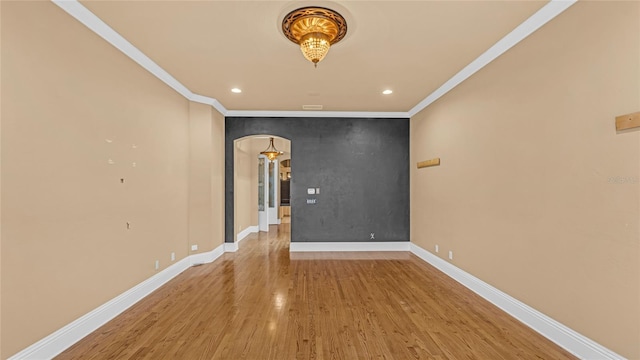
x,y
271,152
236,91
315,29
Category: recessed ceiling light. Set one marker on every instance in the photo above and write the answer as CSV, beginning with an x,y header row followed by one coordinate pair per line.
x,y
236,90
387,92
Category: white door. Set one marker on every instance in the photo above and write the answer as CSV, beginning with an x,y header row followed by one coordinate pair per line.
x,y
274,202
263,193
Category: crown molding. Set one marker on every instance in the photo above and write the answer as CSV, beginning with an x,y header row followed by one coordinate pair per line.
x,y
334,114
552,9
209,101
94,23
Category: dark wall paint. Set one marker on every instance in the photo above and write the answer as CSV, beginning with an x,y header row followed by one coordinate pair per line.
x,y
360,165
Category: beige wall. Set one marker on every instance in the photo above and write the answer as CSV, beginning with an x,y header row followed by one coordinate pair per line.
x,y
0,190
245,186
72,102
206,177
528,196
217,179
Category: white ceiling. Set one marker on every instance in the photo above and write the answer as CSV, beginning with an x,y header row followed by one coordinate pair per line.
x,y
410,47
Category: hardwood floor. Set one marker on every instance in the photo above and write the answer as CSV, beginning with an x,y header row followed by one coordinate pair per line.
x,y
265,303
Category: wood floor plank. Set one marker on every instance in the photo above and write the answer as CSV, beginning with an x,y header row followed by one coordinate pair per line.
x,y
263,302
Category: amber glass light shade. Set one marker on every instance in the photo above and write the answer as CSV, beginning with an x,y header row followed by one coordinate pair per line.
x,y
271,152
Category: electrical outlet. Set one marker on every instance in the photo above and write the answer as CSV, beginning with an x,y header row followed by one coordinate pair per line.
x,y
194,247
173,256
437,248
157,264
450,255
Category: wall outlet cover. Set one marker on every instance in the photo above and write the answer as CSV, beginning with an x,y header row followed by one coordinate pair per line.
x,y
194,247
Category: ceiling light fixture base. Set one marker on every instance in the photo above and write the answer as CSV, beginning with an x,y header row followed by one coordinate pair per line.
x,y
315,29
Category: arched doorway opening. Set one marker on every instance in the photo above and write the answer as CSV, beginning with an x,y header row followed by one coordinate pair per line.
x,y
258,201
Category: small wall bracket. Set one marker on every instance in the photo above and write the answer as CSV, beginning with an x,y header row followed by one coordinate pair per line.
x,y
428,163
629,121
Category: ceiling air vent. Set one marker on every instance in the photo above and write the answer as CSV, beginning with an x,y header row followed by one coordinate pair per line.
x,y
311,107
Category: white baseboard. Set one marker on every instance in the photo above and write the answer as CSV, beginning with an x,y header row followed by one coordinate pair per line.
x,y
560,334
57,342
230,247
207,257
575,343
246,232
349,246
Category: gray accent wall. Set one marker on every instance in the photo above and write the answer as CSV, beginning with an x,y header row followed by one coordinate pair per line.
x,y
360,165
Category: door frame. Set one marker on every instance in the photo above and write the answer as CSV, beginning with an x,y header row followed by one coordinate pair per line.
x,y
263,216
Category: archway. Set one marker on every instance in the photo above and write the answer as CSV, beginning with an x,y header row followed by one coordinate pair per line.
x,y
256,184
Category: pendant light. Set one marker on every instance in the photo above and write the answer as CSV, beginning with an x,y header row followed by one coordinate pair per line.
x,y
271,152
